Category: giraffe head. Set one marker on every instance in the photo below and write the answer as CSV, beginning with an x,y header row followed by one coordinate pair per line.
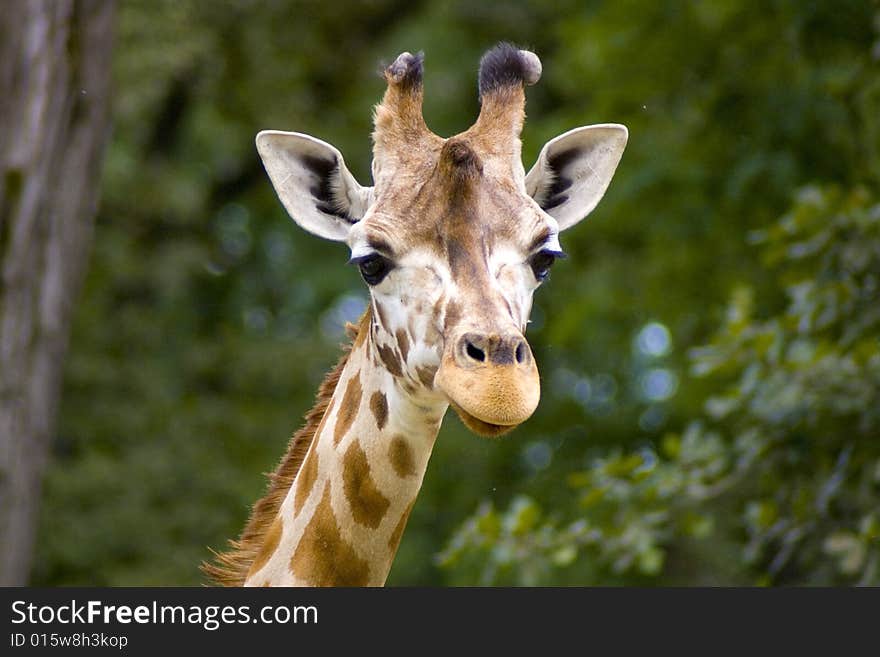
x,y
454,237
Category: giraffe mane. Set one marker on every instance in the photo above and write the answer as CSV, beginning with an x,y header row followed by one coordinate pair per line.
x,y
230,568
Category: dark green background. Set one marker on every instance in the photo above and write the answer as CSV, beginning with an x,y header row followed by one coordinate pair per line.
x,y
208,318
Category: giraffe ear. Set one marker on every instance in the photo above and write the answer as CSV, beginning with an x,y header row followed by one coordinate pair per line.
x,y
574,170
313,183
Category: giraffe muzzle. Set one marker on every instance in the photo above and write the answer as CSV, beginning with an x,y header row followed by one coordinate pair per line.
x,y
491,381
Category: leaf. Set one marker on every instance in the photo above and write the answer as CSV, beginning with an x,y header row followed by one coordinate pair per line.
x,y
564,556
720,407
651,561
848,549
522,516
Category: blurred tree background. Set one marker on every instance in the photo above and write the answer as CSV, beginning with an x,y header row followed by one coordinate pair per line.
x,y
710,350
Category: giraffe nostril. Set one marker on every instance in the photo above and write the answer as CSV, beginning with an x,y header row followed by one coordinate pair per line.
x,y
475,352
520,353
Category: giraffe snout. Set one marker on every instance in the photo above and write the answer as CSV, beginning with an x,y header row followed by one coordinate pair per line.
x,y
491,380
474,349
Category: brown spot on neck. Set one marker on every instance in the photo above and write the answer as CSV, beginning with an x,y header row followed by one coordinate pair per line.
x,y
305,480
348,408
323,557
402,343
367,503
390,359
401,456
273,537
379,407
397,534
426,376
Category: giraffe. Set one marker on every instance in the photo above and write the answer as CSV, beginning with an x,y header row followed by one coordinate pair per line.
x,y
452,240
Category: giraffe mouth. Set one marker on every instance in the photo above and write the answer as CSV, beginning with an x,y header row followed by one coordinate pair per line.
x,y
490,379
481,427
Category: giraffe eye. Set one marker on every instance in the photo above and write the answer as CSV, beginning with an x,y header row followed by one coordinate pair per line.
x,y
374,267
542,261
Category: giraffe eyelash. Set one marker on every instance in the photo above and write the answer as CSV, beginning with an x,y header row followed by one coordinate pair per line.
x,y
541,262
373,267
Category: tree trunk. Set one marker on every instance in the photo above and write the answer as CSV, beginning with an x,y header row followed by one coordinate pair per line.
x,y
54,92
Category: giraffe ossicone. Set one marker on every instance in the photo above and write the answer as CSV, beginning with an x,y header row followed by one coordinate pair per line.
x,y
452,240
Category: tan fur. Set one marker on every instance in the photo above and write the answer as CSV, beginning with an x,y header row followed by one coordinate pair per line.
x,y
446,210
366,502
496,132
324,557
460,196
231,568
398,120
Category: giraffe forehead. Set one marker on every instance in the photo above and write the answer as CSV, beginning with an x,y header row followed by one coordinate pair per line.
x,y
454,229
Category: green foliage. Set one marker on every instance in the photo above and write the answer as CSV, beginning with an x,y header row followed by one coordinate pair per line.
x,y
784,465
208,319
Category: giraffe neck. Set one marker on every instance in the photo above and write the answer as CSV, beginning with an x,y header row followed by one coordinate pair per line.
x,y
342,519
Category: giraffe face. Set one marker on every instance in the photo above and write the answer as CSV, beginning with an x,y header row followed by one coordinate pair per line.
x,y
453,238
452,262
